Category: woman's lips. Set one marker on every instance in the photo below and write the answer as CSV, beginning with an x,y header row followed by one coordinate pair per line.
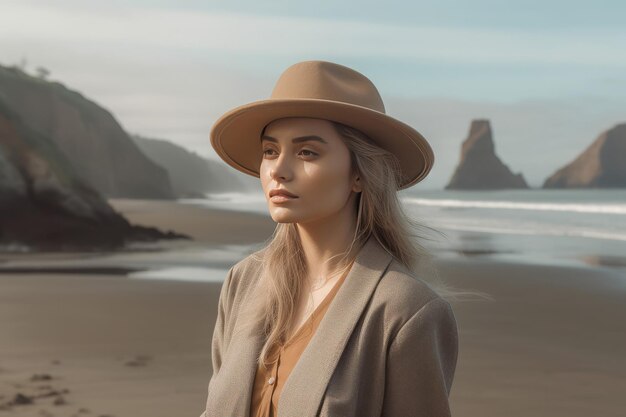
x,y
281,198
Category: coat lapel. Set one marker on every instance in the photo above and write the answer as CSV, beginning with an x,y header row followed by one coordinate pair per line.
x,y
304,389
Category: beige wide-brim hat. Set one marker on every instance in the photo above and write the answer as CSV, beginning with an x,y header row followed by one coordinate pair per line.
x,y
324,90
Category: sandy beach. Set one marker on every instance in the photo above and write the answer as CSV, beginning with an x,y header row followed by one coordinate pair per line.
x,y
550,342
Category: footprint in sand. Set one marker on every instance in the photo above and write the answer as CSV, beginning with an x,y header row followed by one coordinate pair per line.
x,y
139,360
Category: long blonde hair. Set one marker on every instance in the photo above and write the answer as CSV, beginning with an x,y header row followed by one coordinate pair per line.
x,y
379,213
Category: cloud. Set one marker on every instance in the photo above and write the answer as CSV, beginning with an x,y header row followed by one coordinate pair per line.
x,y
132,28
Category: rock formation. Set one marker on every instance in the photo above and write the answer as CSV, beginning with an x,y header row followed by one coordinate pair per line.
x,y
44,205
601,165
479,167
192,176
102,153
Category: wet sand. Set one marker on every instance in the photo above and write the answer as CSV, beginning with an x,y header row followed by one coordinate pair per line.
x,y
550,342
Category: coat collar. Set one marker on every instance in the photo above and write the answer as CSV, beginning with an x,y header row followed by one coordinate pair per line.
x,y
304,389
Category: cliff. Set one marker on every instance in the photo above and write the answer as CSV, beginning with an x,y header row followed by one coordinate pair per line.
x,y
601,165
192,176
102,153
44,205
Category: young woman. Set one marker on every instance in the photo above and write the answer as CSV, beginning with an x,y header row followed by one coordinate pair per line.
x,y
331,317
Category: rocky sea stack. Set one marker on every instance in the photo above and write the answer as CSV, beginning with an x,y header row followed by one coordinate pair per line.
x,y
479,167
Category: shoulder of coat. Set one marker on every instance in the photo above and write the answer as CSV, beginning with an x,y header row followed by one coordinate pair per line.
x,y
251,262
247,270
402,291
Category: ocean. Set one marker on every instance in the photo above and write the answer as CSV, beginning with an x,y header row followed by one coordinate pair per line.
x,y
535,226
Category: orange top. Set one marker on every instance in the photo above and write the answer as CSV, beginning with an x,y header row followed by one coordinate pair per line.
x,y
268,383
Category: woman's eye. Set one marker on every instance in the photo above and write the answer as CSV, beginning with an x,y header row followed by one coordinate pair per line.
x,y
311,153
306,152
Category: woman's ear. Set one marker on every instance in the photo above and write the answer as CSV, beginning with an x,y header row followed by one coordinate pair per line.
x,y
356,187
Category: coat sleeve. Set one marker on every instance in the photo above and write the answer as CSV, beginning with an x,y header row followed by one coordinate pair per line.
x,y
421,361
217,342
223,307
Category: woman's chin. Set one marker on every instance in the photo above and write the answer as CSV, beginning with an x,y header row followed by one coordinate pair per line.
x,y
283,215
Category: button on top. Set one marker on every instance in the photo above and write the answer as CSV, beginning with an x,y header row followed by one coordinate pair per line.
x,y
271,380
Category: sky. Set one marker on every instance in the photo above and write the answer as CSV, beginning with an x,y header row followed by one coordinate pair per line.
x,y
549,75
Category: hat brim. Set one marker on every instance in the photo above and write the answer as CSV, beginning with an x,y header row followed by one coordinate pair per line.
x,y
235,136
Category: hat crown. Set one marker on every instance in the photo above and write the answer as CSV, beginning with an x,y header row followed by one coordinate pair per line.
x,y
327,81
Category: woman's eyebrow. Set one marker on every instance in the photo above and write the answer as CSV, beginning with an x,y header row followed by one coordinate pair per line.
x,y
295,140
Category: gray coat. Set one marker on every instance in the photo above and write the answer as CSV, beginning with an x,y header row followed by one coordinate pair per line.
x,y
387,346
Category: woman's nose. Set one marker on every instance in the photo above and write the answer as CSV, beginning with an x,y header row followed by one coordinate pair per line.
x,y
281,167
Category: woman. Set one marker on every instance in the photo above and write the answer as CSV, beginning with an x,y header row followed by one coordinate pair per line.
x,y
331,317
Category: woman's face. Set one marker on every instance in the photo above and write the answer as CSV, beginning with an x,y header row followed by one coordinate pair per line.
x,y
307,158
